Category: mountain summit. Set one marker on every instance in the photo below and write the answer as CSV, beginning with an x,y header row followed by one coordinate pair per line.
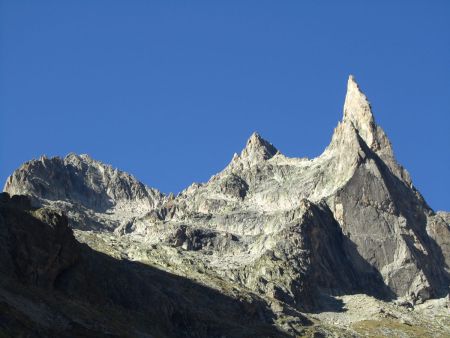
x,y
357,110
257,148
293,237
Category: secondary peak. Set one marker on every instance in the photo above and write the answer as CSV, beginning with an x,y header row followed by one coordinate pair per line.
x,y
258,148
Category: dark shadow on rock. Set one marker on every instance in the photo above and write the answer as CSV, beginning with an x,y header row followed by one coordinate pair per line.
x,y
411,205
337,268
328,303
368,279
175,305
404,201
52,286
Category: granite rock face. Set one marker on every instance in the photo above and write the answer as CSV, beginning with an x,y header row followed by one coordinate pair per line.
x,y
53,286
36,245
87,190
293,231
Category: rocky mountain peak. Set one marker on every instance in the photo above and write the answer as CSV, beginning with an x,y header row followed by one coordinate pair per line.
x,y
256,150
358,131
81,157
357,110
293,231
78,182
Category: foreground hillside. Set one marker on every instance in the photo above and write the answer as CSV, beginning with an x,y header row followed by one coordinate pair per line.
x,y
271,246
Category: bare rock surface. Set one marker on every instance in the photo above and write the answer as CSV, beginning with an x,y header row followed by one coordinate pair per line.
x,y
298,233
53,286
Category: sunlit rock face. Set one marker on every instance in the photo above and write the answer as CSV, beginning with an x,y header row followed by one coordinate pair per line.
x,y
288,229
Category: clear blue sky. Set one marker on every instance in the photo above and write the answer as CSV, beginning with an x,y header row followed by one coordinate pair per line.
x,y
169,90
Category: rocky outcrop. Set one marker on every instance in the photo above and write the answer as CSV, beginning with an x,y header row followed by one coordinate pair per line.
x,y
52,286
294,231
36,245
256,150
382,213
311,257
94,195
438,228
